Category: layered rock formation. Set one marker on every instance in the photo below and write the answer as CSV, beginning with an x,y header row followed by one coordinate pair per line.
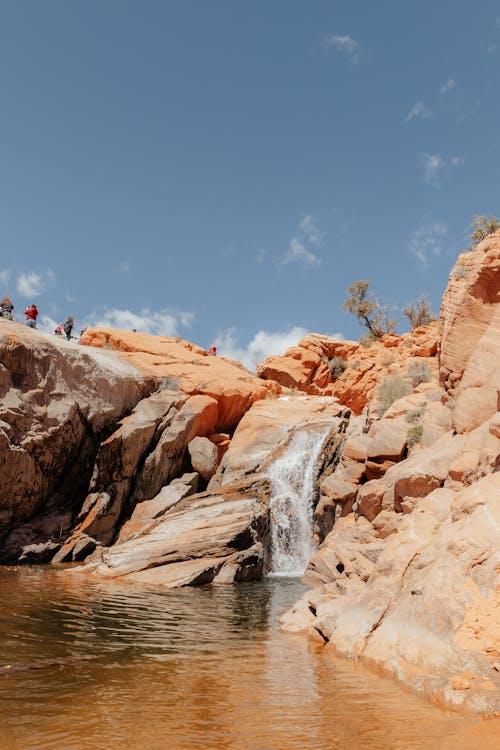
x,y
64,454
408,575
306,366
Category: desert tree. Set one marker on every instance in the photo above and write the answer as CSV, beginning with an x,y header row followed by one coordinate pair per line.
x,y
369,310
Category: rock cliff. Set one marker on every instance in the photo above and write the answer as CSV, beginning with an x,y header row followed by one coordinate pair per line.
x,y
408,574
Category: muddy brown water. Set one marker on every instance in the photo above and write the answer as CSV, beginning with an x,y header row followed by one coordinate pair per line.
x,y
90,665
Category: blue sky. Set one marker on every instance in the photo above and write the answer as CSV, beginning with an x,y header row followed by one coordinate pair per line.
x,y
224,170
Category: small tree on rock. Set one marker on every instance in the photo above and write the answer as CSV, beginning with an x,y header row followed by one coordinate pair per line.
x,y
369,310
419,312
482,226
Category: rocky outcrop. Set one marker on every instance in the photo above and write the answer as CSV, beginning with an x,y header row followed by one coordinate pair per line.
x,y
57,403
470,316
408,574
306,366
72,472
208,537
186,367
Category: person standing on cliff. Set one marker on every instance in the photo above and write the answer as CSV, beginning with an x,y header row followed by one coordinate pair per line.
x,y
68,327
6,309
31,314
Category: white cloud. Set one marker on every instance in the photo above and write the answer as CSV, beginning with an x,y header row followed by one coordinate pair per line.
x,y
4,277
457,161
419,110
261,346
124,267
161,323
30,284
448,86
345,44
427,241
432,164
298,253
309,226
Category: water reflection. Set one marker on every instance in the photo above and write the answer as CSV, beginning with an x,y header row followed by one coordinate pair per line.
x,y
192,668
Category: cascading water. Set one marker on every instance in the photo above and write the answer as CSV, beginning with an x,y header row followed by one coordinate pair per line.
x,y
292,478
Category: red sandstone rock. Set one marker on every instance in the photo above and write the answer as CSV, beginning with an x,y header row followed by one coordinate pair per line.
x,y
305,366
186,367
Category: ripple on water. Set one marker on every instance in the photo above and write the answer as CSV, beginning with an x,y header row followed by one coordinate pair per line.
x,y
190,668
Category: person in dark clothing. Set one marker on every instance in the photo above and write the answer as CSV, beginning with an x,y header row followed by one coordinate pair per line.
x,y
31,314
6,309
68,327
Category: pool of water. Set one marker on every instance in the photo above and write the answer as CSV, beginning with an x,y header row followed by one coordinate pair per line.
x,y
91,665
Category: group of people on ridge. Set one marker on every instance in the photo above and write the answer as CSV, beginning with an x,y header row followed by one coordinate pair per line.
x,y
31,315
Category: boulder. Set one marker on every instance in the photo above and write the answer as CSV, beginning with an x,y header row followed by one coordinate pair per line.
x,y
204,456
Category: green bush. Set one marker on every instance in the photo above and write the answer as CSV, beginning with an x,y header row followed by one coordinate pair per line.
x,y
414,435
391,388
336,366
482,226
418,372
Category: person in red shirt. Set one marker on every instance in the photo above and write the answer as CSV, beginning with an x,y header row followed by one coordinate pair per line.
x,y
212,351
31,314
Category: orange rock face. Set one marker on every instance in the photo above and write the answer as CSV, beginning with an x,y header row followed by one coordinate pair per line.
x,y
470,319
187,367
305,366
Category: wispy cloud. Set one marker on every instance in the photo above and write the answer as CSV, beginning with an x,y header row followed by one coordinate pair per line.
x,y
298,253
418,111
4,277
434,165
427,241
32,284
309,226
160,323
343,43
448,86
124,267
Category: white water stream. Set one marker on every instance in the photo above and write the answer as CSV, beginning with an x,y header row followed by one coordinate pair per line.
x,y
292,477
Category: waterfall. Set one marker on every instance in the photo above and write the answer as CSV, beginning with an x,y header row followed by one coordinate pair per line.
x,y
292,478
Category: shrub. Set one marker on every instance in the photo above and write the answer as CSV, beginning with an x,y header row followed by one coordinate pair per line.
x,y
390,390
418,372
169,384
336,366
414,435
387,359
419,312
367,340
415,414
482,226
